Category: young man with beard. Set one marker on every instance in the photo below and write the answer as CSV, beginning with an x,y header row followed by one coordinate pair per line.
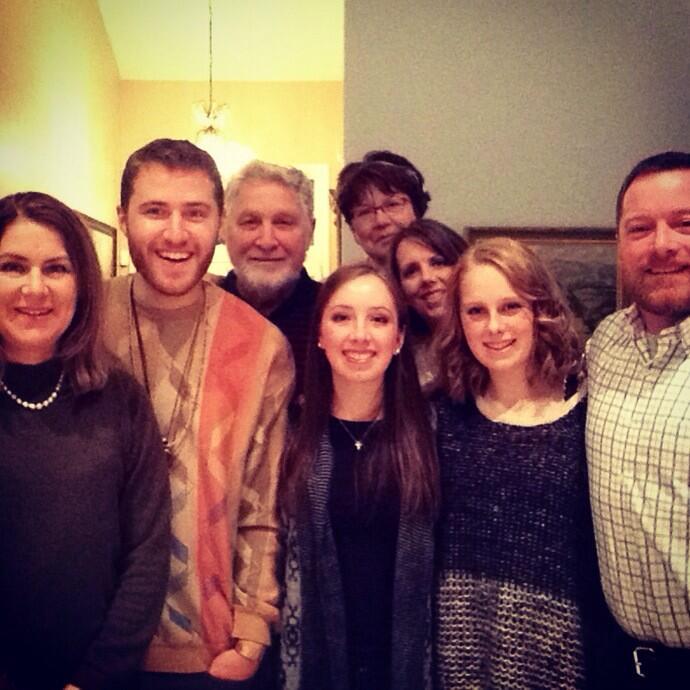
x,y
267,230
638,428
218,375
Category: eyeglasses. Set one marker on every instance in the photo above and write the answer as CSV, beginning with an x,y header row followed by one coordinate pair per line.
x,y
392,206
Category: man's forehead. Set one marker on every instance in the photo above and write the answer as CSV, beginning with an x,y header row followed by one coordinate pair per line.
x,y
255,192
192,183
672,184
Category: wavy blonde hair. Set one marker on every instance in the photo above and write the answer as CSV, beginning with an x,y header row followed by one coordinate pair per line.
x,y
558,345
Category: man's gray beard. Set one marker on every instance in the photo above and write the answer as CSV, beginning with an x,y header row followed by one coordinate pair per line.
x,y
261,292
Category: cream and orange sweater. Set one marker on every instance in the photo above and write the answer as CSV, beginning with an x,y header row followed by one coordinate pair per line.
x,y
226,429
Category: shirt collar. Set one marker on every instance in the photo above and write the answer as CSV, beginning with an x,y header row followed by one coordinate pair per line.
x,y
679,331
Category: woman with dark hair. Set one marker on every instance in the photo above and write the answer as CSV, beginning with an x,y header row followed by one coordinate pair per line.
x,y
360,492
378,196
84,497
517,584
422,259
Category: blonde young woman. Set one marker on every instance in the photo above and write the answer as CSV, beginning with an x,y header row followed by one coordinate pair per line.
x,y
517,588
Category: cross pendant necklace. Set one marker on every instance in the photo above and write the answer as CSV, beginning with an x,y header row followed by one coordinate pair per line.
x,y
358,442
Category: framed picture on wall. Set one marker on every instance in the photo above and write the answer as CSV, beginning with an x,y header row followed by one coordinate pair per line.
x,y
104,239
583,259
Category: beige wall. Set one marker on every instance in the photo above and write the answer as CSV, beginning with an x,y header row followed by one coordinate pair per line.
x,y
290,123
518,112
58,104
284,122
67,123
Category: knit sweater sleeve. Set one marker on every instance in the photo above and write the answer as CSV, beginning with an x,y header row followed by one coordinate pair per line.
x,y
256,589
144,518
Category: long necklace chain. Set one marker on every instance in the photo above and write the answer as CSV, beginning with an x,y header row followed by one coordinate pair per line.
x,y
175,414
359,442
35,405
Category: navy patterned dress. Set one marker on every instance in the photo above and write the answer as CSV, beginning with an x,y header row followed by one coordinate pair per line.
x,y
516,563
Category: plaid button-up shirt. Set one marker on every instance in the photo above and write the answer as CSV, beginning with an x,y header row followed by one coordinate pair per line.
x,y
638,447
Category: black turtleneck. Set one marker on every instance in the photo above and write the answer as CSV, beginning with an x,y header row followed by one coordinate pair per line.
x,y
32,382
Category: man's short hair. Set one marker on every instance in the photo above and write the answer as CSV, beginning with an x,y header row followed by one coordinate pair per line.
x,y
260,171
389,172
176,154
660,162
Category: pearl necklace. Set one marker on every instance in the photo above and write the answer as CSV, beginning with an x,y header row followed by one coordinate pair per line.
x,y
37,405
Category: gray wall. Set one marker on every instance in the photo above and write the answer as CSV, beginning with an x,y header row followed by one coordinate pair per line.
x,y
522,112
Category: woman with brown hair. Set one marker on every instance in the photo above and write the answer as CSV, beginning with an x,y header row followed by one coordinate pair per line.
x,y
378,196
517,584
84,497
360,493
423,256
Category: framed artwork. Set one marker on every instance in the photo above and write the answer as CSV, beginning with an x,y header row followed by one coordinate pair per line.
x,y
583,259
104,239
338,222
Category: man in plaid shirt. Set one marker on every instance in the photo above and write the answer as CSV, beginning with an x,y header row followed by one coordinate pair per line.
x,y
638,428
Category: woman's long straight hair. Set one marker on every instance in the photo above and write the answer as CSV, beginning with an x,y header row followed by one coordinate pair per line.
x,y
406,452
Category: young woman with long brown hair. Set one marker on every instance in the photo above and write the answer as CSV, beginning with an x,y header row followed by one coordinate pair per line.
x,y
360,490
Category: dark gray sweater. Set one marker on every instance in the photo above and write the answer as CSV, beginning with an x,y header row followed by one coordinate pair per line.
x,y
84,532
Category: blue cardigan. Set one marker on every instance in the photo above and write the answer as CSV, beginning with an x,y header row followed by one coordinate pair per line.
x,y
313,643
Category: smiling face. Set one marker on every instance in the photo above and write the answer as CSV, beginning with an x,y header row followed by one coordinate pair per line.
x,y
497,322
377,219
38,291
424,276
171,222
267,233
654,246
359,331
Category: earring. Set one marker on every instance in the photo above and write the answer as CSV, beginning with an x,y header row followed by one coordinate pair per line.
x,y
318,344
397,351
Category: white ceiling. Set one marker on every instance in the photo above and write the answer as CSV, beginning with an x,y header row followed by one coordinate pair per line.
x,y
264,40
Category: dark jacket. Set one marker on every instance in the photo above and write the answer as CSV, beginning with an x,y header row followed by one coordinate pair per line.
x,y
313,640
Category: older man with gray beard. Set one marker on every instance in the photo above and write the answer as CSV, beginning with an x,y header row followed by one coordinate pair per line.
x,y
268,227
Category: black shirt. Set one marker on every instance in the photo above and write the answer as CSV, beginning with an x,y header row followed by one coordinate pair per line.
x,y
293,318
365,529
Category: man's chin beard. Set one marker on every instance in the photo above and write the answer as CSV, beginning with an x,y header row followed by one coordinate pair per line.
x,y
144,269
661,302
262,291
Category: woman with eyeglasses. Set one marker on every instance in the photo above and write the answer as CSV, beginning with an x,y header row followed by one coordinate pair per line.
x,y
518,597
360,492
378,196
423,256
84,495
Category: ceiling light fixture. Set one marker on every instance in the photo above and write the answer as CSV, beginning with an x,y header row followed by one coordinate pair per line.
x,y
211,117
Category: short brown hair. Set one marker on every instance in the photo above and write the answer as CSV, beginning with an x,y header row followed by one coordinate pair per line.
x,y
558,345
176,154
660,162
78,346
389,172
